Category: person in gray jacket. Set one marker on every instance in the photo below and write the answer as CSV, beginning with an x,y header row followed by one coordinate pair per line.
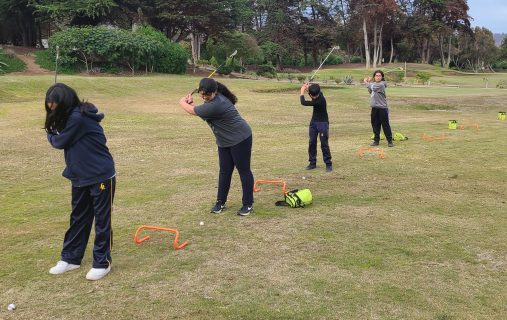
x,y
379,110
233,137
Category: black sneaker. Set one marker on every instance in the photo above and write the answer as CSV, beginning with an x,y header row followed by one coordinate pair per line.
x,y
219,207
390,144
245,210
329,168
374,144
311,166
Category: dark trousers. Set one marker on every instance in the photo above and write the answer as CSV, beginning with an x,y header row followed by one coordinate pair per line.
x,y
88,203
236,156
380,117
320,129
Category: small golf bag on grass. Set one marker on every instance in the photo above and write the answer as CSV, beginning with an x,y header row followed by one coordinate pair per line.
x,y
297,199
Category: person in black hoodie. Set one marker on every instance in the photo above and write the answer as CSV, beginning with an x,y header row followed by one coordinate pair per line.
x,y
73,125
319,126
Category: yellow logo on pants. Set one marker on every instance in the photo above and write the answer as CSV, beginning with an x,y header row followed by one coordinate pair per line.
x,y
102,186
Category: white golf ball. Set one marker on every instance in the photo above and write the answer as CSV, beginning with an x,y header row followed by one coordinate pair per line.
x,y
304,178
11,307
201,223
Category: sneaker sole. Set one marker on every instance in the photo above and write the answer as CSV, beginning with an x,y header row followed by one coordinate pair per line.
x,y
74,267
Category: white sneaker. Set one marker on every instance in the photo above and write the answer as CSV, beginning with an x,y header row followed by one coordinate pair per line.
x,y
97,273
62,267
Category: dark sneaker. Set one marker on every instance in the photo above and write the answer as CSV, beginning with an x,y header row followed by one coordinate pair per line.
x,y
245,210
390,144
218,208
311,167
374,144
329,168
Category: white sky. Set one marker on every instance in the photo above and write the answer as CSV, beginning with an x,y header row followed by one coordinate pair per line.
x,y
491,14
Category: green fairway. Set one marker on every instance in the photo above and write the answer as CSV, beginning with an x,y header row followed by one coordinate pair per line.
x,y
421,234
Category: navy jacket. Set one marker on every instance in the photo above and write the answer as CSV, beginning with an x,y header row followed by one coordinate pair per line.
x,y
87,157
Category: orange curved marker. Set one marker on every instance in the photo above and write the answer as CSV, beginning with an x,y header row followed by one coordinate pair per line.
x,y
377,150
426,137
476,125
283,183
176,238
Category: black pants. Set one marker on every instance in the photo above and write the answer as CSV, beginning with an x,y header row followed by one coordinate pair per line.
x,y
320,129
380,117
88,203
236,156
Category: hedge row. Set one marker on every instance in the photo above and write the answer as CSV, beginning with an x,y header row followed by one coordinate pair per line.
x,y
109,48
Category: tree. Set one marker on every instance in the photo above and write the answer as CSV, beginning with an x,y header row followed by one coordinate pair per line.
x,y
18,15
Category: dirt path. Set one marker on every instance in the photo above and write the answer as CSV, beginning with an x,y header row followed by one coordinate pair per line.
x,y
27,55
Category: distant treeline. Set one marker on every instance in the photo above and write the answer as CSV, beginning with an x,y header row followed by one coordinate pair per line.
x,y
277,33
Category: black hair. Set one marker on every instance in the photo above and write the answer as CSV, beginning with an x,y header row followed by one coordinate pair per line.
x,y
379,71
314,89
208,86
66,100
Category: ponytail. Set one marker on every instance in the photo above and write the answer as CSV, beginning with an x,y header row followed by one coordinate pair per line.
x,y
222,89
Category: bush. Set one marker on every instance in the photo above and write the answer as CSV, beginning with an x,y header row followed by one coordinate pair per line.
x,y
301,78
423,77
348,80
395,76
266,70
146,49
334,59
355,59
502,84
45,59
500,65
9,63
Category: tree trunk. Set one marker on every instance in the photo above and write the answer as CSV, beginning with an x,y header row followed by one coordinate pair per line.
x,y
392,51
195,41
366,45
442,55
448,62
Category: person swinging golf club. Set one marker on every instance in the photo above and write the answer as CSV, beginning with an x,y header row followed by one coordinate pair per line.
x,y
319,126
379,111
233,137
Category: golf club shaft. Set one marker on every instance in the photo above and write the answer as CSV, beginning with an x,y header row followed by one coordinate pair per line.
x,y
322,63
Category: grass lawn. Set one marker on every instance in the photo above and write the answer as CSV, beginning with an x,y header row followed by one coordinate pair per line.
x,y
421,234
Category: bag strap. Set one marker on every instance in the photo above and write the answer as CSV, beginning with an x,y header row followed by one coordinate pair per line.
x,y
282,203
299,203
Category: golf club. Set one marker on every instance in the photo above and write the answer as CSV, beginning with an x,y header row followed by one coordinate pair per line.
x,y
211,74
322,63
56,61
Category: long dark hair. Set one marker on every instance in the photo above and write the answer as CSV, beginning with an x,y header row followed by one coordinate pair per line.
x,y
209,86
379,71
66,100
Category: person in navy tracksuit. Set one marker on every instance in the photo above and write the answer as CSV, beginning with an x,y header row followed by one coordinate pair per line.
x,y
74,126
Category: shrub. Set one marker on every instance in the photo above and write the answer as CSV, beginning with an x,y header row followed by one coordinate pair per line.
x,y
301,78
502,84
334,59
348,80
213,61
355,59
45,59
395,76
9,63
266,69
423,77
144,49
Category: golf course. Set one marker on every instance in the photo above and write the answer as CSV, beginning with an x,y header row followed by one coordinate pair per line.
x,y
418,234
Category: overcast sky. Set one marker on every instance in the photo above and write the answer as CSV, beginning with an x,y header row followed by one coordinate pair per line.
x,y
491,14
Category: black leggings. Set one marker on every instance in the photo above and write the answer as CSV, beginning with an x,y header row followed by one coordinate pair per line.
x,y
236,156
380,117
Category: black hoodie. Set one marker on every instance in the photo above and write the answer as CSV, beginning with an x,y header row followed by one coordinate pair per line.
x,y
86,155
